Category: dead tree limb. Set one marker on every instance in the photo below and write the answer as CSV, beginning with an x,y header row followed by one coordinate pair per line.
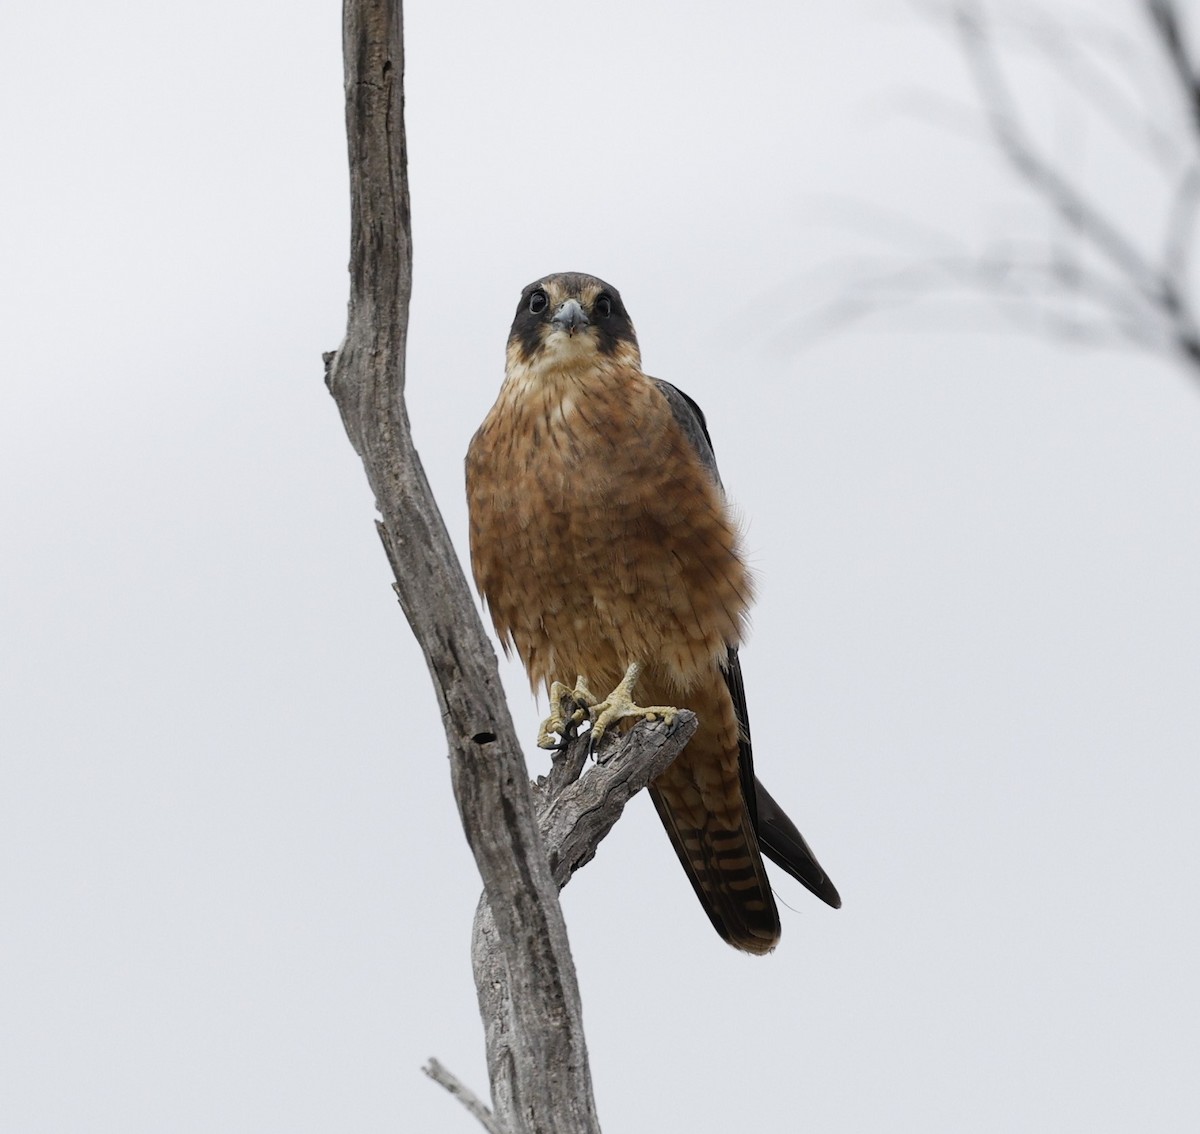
x,y
551,1091
574,815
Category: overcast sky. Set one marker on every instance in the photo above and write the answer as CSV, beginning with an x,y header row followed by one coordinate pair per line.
x,y
234,893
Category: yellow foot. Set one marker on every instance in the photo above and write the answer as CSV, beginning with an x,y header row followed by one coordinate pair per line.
x,y
619,705
568,708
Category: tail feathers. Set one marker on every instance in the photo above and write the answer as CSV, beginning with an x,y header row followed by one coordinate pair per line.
x,y
727,873
785,846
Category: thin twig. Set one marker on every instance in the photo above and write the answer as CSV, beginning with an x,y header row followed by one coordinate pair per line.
x,y
1165,17
1096,280
1180,227
465,1095
1074,59
1054,188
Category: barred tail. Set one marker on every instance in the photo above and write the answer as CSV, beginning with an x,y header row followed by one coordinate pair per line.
x,y
701,802
722,861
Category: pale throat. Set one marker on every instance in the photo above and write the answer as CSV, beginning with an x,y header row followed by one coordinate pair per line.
x,y
567,370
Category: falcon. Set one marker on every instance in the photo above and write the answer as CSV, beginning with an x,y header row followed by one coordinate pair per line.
x,y
609,559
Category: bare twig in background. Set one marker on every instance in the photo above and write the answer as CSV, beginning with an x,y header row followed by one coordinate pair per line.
x,y
1157,289
1105,273
1164,15
1039,170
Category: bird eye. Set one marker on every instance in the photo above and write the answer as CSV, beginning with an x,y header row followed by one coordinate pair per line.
x,y
604,307
537,302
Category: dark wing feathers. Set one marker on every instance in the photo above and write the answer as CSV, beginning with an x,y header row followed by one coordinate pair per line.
x,y
733,679
779,840
778,837
690,418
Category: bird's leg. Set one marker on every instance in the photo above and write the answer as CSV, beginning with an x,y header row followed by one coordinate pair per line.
x,y
568,707
619,704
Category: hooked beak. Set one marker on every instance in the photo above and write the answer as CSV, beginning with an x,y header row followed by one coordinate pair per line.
x,y
570,317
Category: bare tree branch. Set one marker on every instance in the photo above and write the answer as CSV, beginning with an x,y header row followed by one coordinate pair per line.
x,y
1181,223
1165,18
1059,193
1163,287
1084,54
465,1095
1098,278
1032,291
1094,85
573,815
552,1091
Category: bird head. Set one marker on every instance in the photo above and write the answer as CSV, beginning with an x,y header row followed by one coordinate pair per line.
x,y
569,319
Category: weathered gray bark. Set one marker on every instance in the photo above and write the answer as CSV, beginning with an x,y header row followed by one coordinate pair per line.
x,y
553,1090
467,1097
573,815
529,996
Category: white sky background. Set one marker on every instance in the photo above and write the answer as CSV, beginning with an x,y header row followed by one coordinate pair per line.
x,y
234,894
